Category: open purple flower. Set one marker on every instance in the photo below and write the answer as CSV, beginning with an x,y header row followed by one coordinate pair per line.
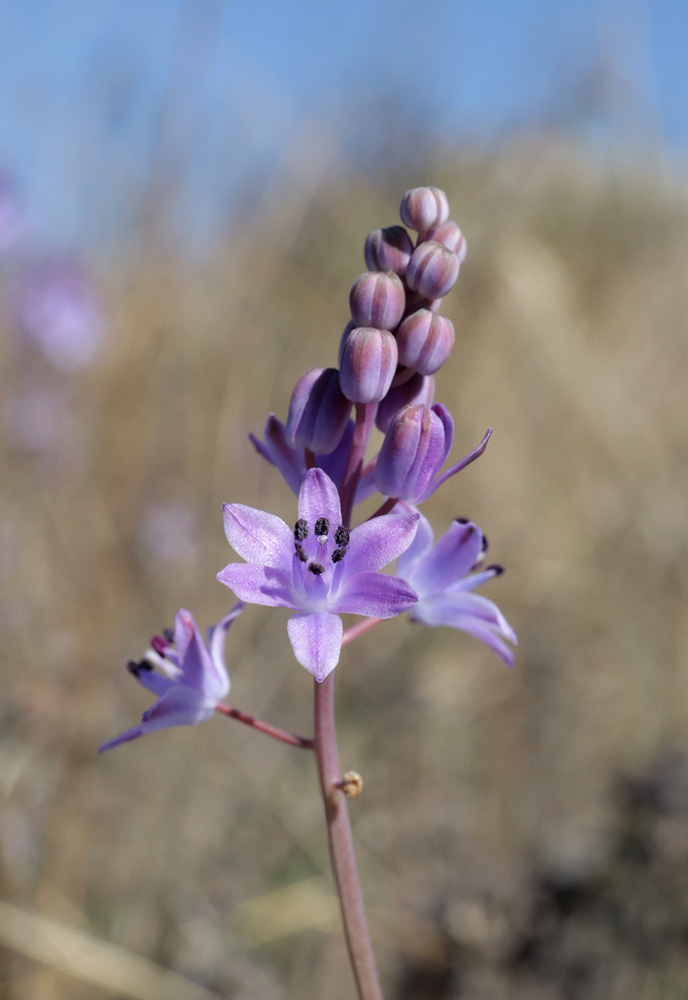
x,y
194,677
319,568
443,578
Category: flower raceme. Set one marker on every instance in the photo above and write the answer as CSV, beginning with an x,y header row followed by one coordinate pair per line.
x,y
193,680
442,575
319,568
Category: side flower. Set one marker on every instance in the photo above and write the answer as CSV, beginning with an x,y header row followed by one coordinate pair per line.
x,y
442,575
319,568
194,677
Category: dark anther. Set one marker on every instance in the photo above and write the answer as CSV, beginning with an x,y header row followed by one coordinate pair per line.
x,y
300,529
315,568
135,666
462,520
497,570
160,645
484,544
300,553
322,527
341,536
338,555
169,635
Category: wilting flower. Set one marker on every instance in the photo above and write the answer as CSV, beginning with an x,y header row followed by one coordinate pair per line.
x,y
442,576
319,568
57,309
194,677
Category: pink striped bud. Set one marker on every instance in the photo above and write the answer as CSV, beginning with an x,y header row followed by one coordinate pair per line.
x,y
318,412
388,250
425,340
377,299
414,450
451,237
424,207
368,362
432,270
418,390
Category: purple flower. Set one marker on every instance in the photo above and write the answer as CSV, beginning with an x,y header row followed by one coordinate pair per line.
x,y
321,569
58,310
196,677
441,575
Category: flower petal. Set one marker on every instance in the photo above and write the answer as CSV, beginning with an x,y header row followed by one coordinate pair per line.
x,y
318,497
180,706
334,463
377,542
374,595
420,545
450,559
258,537
490,625
128,734
258,584
217,636
316,639
150,678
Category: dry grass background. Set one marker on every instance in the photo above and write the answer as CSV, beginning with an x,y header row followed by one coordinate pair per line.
x,y
502,852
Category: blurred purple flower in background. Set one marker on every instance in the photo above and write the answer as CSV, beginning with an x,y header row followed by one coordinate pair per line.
x,y
443,578
194,677
169,531
36,419
57,309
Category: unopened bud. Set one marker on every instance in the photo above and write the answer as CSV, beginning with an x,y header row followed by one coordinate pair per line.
x,y
388,250
419,389
432,270
424,207
367,365
425,340
318,411
414,450
377,298
451,237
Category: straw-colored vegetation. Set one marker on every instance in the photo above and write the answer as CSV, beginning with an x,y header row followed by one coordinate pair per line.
x,y
502,852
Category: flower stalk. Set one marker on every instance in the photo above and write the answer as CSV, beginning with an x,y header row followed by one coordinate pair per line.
x,y
342,856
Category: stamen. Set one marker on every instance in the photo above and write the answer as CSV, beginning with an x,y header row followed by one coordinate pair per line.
x,y
462,520
484,544
338,555
135,667
301,529
341,536
160,645
322,529
169,635
495,568
315,568
299,551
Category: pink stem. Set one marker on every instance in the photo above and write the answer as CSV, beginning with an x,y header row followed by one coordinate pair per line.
x,y
342,854
358,629
265,727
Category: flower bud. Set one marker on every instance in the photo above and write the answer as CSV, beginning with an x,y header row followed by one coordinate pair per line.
x,y
388,250
419,389
318,412
377,299
424,207
451,237
425,340
368,360
432,270
416,444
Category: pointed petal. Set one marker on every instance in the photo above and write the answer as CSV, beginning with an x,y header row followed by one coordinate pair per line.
x,y
448,424
198,671
470,457
489,625
258,537
316,639
181,706
374,595
319,498
258,584
128,734
151,679
377,542
421,544
450,559
290,461
217,636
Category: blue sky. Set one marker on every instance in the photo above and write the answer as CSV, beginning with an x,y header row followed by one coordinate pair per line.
x,y
96,93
